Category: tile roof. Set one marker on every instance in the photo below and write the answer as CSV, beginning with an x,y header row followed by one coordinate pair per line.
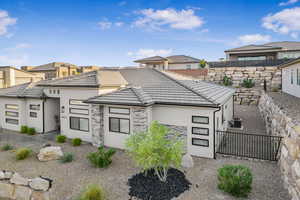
x,y
23,90
51,66
148,86
153,58
285,45
182,59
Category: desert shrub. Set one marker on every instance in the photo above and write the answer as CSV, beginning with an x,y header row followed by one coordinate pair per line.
x,y
101,158
24,129
76,142
227,81
23,153
61,138
92,192
67,157
248,83
155,150
235,179
7,147
31,131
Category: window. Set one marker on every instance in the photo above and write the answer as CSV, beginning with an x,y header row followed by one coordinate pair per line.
x,y
77,102
292,76
122,111
50,91
200,131
64,74
298,77
12,106
57,91
119,125
79,111
252,58
188,67
200,142
34,107
12,121
80,124
11,114
200,120
33,114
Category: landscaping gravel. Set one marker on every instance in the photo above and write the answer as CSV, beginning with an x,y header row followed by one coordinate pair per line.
x,y
71,178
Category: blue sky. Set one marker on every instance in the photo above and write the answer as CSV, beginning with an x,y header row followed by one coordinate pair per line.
x,y
114,33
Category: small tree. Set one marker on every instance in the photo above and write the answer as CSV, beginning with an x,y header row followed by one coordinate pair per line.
x,y
154,149
202,63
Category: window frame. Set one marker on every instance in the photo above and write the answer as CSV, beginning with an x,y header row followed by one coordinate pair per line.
x,y
72,104
35,113
6,121
292,76
110,112
200,133
38,105
119,120
200,144
79,124
17,106
88,111
200,122
7,111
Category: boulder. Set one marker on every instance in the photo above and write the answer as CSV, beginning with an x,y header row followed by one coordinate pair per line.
x,y
6,190
187,161
22,193
39,184
2,175
50,153
8,174
19,180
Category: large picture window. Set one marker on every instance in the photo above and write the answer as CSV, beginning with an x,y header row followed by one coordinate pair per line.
x,y
119,125
11,114
80,124
122,111
12,121
34,107
76,102
200,142
200,120
200,131
12,106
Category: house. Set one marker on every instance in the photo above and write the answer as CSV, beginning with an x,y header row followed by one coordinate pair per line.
x,y
291,77
53,70
104,107
169,63
268,51
89,68
10,76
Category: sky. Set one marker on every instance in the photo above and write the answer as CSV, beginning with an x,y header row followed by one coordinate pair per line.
x,y
117,32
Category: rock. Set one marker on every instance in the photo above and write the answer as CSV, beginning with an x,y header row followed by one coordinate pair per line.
x,y
40,195
293,146
6,190
8,174
296,168
46,145
22,193
187,161
19,180
39,184
50,153
2,175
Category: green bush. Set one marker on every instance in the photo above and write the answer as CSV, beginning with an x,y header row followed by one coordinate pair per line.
x,y
93,192
248,83
67,157
31,131
202,63
23,153
101,158
76,142
61,138
155,150
235,179
227,81
7,147
24,129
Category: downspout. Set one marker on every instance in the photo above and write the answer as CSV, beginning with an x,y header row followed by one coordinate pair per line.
x,y
219,108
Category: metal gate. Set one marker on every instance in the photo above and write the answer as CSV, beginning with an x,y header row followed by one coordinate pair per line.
x,y
264,147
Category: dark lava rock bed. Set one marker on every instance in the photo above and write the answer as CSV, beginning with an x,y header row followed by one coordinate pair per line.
x,y
149,187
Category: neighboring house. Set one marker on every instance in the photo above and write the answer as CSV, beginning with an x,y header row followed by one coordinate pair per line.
x,y
291,78
169,63
89,68
105,107
54,70
10,76
268,51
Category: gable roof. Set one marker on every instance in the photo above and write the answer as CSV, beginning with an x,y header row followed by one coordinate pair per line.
x,y
149,86
89,79
289,63
23,90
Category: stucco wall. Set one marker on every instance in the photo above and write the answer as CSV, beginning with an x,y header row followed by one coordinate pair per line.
x,y
287,86
183,66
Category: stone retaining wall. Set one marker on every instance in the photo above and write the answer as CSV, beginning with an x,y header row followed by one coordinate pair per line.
x,y
279,123
247,96
15,187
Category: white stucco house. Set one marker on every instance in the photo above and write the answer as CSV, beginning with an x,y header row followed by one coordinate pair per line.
x,y
291,78
105,107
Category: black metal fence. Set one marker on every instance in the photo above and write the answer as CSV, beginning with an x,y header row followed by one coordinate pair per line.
x,y
249,63
264,147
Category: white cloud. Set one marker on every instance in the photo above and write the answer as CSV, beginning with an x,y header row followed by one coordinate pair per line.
x,y
289,2
286,21
119,24
253,38
14,60
107,24
143,53
5,21
18,47
176,19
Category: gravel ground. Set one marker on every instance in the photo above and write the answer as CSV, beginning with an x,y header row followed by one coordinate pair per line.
x,y
71,178
251,119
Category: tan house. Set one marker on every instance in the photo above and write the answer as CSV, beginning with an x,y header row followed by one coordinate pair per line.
x,y
11,76
54,70
89,68
268,51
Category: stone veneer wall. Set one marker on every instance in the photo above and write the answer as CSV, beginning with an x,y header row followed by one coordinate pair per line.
x,y
180,132
97,124
140,119
279,123
14,186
